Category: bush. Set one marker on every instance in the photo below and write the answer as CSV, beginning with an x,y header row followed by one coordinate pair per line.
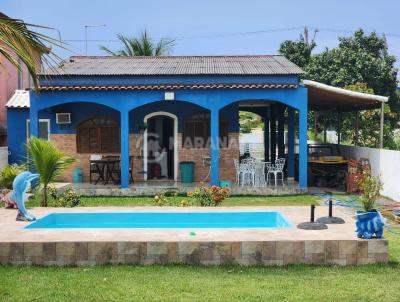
x,y
369,186
8,174
67,198
209,197
167,199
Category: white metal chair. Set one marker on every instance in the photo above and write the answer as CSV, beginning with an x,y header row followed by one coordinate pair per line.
x,y
247,173
277,168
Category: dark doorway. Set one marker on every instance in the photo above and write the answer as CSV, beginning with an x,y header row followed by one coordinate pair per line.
x,y
160,147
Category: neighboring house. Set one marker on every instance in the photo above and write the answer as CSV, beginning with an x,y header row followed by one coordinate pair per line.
x,y
11,79
163,109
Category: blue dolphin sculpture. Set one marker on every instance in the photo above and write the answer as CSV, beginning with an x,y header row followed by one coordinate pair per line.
x,y
21,183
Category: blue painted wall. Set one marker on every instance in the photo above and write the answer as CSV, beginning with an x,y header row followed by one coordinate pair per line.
x,y
83,111
16,127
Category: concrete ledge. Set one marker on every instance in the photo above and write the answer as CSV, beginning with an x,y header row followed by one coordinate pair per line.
x,y
314,252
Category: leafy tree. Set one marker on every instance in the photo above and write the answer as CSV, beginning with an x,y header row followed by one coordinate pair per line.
x,y
357,59
19,42
249,121
141,46
299,51
361,63
48,161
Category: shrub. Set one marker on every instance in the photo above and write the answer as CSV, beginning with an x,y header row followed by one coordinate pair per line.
x,y
209,197
67,198
49,162
369,186
8,174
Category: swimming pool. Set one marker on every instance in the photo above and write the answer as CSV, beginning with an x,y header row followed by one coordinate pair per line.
x,y
167,220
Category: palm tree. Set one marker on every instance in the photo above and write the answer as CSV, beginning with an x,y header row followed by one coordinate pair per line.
x,y
17,41
48,161
141,46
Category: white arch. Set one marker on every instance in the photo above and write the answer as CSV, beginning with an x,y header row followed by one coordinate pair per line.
x,y
175,118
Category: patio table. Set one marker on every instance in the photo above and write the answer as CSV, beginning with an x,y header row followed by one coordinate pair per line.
x,y
107,169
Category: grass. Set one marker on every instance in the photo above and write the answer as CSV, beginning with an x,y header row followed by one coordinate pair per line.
x,y
230,202
199,283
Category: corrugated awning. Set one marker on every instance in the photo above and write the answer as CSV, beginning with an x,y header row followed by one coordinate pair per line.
x,y
20,99
322,97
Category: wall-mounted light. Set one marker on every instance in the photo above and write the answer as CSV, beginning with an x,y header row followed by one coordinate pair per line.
x,y
169,96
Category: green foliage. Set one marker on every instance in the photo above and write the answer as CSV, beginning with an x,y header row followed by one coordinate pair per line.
x,y
249,121
141,46
163,200
361,63
65,198
232,201
48,161
369,186
299,51
8,174
20,42
209,197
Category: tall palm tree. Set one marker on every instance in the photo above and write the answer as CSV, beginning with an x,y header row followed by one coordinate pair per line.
x,y
48,161
18,41
141,46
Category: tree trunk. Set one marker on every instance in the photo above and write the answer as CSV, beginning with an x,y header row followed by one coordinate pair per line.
x,y
44,197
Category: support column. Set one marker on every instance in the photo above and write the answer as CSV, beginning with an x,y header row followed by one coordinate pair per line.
x,y
290,143
124,149
214,146
357,127
303,156
381,125
272,125
33,116
339,124
281,131
266,135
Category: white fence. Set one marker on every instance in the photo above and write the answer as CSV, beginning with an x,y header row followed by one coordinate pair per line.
x,y
385,163
3,156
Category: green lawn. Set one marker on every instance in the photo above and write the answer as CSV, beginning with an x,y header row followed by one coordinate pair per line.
x,y
231,201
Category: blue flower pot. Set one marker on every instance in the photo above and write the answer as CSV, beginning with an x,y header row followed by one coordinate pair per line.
x,y
369,223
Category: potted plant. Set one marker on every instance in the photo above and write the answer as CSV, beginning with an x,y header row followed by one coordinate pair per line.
x,y
369,221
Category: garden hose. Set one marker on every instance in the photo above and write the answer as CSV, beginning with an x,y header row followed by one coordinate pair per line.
x,y
354,203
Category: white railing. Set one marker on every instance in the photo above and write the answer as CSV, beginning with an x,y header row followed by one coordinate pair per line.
x,y
256,150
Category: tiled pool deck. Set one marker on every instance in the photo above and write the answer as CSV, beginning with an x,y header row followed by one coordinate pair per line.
x,y
337,245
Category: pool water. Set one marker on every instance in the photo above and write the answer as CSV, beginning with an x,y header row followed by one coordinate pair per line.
x,y
219,220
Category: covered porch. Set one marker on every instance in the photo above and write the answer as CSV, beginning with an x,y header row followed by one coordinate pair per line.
x,y
134,144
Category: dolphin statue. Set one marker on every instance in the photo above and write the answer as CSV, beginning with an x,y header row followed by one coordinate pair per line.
x,y
21,184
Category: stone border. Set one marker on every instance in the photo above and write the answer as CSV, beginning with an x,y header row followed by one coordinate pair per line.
x,y
314,252
152,190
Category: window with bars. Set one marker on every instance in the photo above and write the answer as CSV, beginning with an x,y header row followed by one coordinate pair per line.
x,y
98,135
196,132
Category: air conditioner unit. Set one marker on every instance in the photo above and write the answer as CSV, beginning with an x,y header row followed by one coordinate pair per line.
x,y
63,118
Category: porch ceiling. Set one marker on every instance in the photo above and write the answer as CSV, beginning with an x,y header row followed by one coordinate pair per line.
x,y
322,97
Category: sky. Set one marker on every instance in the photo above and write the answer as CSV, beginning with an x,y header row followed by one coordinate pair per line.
x,y
209,27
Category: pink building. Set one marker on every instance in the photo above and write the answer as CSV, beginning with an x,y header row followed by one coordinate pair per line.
x,y
11,79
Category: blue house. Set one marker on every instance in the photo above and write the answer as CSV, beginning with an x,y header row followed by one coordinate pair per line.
x,y
178,108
